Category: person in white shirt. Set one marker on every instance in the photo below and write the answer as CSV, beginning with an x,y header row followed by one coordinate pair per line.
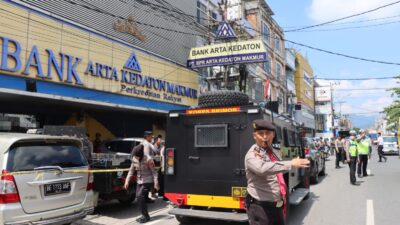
x,y
148,147
380,148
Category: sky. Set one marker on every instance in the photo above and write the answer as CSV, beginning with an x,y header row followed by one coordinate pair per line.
x,y
377,39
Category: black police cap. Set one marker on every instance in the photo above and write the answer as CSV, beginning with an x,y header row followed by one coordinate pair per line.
x,y
148,133
261,124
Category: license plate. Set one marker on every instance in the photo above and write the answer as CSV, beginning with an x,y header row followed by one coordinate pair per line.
x,y
57,188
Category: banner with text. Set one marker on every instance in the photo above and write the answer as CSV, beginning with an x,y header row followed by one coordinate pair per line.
x,y
227,54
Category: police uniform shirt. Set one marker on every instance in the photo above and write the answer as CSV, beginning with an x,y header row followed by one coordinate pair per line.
x,y
146,172
148,148
262,182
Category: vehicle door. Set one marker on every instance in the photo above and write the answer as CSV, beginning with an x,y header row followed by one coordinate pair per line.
x,y
213,151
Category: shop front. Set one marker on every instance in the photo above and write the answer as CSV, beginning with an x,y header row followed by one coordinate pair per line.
x,y
62,74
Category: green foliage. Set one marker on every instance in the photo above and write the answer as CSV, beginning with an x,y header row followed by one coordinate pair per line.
x,y
393,110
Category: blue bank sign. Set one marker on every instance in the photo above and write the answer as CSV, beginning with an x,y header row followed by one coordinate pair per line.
x,y
62,68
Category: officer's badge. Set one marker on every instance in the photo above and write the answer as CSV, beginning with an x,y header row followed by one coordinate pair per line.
x,y
254,125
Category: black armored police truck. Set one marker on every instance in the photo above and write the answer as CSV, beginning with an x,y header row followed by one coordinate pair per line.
x,y
204,157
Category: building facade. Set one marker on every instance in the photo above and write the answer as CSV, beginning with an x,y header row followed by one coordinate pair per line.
x,y
304,79
259,15
114,70
290,82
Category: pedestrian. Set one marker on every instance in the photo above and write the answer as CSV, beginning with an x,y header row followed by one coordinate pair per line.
x,y
339,150
97,143
363,146
380,148
147,143
352,156
266,188
333,146
146,179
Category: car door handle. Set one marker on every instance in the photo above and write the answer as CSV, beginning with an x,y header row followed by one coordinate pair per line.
x,y
194,158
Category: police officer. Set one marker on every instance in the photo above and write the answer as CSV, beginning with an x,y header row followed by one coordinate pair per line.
x,y
266,188
146,179
363,146
352,156
147,143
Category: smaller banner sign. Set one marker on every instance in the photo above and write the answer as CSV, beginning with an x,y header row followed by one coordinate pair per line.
x,y
227,54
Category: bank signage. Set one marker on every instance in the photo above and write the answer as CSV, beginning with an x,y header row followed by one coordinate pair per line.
x,y
62,67
38,47
228,53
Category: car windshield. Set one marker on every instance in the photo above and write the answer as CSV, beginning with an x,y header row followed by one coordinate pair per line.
x,y
27,156
389,139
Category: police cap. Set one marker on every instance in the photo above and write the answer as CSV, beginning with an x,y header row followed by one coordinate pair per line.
x,y
261,124
148,133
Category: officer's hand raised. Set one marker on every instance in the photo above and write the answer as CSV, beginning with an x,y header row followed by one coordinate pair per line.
x,y
297,162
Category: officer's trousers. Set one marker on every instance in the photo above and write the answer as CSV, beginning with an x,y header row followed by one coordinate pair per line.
x,y
264,214
142,192
338,156
352,166
380,152
362,165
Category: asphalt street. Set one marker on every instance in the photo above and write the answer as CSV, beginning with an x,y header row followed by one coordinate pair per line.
x,y
376,201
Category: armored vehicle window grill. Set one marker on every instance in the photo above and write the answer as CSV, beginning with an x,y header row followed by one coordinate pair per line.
x,y
207,136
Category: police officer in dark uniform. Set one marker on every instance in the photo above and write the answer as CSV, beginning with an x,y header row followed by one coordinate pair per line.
x,y
266,188
146,179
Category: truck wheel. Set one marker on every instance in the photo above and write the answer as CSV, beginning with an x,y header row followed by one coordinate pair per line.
x,y
315,178
323,170
223,98
185,219
128,200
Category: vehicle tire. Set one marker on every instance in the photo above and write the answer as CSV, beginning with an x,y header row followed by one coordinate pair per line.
x,y
185,219
223,98
127,200
307,196
322,173
315,178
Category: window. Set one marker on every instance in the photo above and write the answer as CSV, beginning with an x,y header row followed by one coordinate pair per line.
x,y
278,70
298,140
291,138
265,33
201,13
267,66
277,43
279,133
27,156
214,15
211,135
307,79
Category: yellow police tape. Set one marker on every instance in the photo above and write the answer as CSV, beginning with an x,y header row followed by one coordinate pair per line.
x,y
66,171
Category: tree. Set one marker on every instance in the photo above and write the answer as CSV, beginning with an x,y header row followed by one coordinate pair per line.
x,y
393,110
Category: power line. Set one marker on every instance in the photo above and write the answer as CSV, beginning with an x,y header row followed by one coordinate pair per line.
x,y
351,28
352,22
362,89
307,46
343,55
343,18
363,78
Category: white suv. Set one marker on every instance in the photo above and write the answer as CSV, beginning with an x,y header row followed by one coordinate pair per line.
x,y
44,189
390,145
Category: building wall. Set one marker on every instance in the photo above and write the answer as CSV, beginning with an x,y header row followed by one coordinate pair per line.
x,y
259,15
304,89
